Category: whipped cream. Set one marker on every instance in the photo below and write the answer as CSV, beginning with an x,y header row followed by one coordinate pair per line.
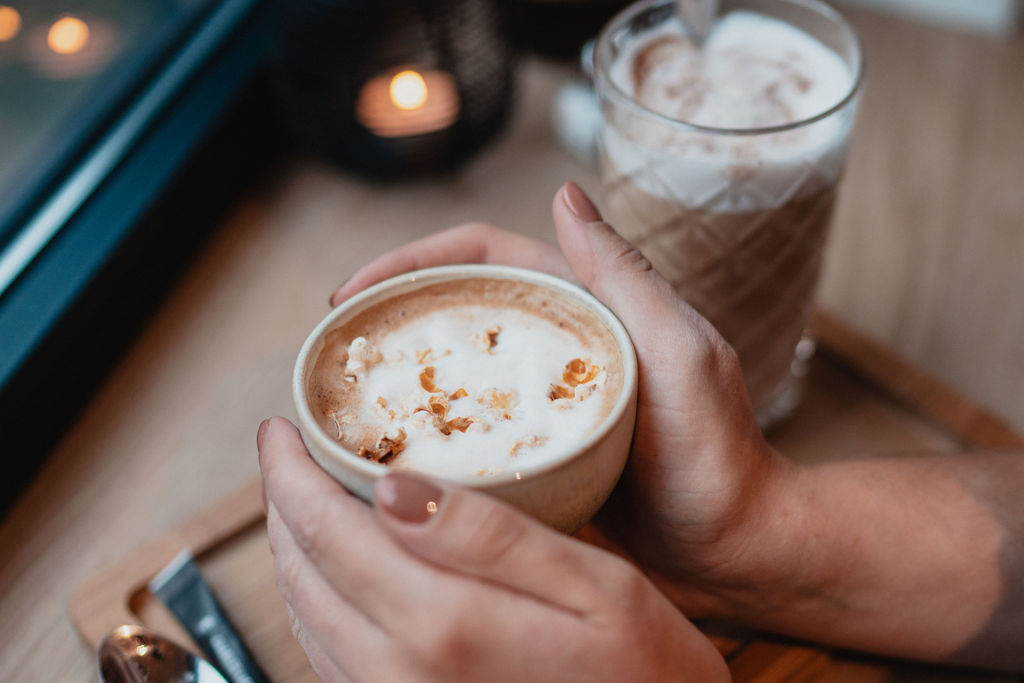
x,y
753,72
474,390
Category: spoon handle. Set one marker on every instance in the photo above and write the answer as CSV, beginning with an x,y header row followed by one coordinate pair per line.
x,y
182,588
698,17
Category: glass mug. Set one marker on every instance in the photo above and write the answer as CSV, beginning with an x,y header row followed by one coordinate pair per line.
x,y
735,218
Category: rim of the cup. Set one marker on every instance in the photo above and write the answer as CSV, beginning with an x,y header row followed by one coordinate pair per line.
x,y
427,276
602,49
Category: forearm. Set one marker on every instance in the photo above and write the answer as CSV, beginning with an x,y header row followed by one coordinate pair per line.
x,y
911,556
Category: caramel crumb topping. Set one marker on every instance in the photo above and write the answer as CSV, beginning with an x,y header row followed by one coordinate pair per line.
x,y
576,373
427,380
424,356
486,340
528,442
499,403
557,391
438,405
387,412
386,449
459,423
457,394
437,408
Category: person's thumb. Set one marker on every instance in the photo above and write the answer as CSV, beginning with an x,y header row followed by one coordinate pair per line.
x,y
684,363
478,535
659,321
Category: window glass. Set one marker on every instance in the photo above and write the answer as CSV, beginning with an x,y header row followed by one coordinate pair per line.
x,y
66,67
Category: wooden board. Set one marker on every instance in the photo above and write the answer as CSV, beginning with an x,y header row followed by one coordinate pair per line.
x,y
860,399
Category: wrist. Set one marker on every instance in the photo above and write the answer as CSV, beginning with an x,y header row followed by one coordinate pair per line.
x,y
763,561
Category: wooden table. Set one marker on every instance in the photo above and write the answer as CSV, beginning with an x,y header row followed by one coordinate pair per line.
x,y
925,257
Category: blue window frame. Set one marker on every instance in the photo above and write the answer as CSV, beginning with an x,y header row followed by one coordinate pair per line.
x,y
115,178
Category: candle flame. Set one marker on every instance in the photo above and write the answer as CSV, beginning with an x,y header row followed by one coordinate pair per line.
x,y
10,23
402,102
68,35
408,90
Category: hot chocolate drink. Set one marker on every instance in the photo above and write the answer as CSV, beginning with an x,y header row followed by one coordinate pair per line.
x,y
721,163
466,377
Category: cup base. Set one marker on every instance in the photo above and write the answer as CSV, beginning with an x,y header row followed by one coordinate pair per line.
x,y
789,393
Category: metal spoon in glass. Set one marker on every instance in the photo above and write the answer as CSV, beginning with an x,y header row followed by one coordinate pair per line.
x,y
133,654
698,16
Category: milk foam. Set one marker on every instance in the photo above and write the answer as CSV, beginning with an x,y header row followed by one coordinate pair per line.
x,y
754,71
529,356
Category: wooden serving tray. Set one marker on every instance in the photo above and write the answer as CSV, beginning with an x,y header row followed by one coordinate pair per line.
x,y
861,399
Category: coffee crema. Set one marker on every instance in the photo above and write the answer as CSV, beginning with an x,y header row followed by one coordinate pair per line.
x,y
469,377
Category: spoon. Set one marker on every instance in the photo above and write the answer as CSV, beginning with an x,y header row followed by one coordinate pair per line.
x,y
698,16
133,654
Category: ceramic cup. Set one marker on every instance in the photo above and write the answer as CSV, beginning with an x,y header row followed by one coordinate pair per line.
x,y
566,489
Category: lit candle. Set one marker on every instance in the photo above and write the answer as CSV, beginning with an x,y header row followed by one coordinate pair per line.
x,y
10,23
72,47
408,102
68,35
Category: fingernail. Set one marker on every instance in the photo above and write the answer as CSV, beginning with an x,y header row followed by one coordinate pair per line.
x,y
579,203
262,432
330,297
408,498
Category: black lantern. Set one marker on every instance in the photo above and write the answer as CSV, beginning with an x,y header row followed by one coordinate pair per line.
x,y
392,87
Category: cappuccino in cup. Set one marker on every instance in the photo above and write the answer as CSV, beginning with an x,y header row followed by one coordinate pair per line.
x,y
508,381
470,377
720,162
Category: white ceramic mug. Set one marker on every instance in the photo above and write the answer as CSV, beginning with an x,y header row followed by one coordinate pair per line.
x,y
564,491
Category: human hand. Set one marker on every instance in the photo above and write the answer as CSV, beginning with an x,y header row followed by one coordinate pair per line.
x,y
438,583
728,528
700,472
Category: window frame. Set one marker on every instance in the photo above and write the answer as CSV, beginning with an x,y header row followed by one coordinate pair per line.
x,y
122,220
